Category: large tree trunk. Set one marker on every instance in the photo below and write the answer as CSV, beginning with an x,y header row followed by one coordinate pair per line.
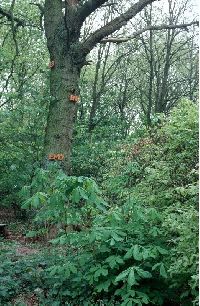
x,y
62,41
62,112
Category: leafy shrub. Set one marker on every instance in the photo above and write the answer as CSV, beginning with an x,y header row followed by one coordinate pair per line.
x,y
117,260
61,199
142,249
90,152
163,174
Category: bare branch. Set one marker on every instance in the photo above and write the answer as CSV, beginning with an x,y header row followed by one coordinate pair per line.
x,y
114,25
87,8
119,40
14,28
109,4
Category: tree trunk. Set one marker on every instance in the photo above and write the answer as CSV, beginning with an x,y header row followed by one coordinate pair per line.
x,y
96,95
62,112
62,35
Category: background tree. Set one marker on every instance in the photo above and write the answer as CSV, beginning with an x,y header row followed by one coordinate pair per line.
x,y
155,60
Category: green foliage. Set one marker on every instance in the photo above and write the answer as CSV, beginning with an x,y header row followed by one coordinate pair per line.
x,y
92,150
124,255
22,274
162,173
61,199
162,165
141,249
115,261
19,144
24,101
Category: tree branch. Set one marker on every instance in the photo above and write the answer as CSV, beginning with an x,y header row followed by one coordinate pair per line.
x,y
10,17
113,25
13,27
87,8
119,40
40,6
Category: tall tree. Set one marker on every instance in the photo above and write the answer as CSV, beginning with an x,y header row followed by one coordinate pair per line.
x,y
69,54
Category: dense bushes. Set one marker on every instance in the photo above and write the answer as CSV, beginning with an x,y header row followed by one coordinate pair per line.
x,y
162,173
141,247
116,261
21,138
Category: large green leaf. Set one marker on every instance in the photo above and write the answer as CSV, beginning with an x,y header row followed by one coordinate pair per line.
x,y
131,277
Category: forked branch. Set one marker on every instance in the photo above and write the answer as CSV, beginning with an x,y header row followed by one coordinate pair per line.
x,y
114,25
10,17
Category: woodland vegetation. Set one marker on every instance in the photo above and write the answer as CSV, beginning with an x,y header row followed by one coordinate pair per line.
x,y
99,153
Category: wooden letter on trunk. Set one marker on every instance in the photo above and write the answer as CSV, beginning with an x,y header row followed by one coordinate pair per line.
x,y
74,98
56,156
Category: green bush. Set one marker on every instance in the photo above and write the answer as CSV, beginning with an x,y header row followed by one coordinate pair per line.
x,y
142,247
61,200
116,261
160,171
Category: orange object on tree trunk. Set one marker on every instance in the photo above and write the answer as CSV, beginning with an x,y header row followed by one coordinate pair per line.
x,y
74,98
56,156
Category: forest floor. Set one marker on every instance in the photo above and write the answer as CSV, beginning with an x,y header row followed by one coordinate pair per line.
x,y
17,247
17,241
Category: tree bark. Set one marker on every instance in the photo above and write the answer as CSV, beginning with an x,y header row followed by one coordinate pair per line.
x,y
62,41
62,112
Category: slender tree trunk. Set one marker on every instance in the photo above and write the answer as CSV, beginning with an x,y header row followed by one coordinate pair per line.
x,y
151,77
96,95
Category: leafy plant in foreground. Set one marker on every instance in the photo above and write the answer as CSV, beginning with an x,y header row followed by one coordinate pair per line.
x,y
62,200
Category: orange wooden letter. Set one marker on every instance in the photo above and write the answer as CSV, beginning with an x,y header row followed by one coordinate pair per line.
x,y
59,156
74,98
56,156
51,156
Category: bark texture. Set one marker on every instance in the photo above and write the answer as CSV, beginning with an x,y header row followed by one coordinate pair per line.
x,y
62,40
